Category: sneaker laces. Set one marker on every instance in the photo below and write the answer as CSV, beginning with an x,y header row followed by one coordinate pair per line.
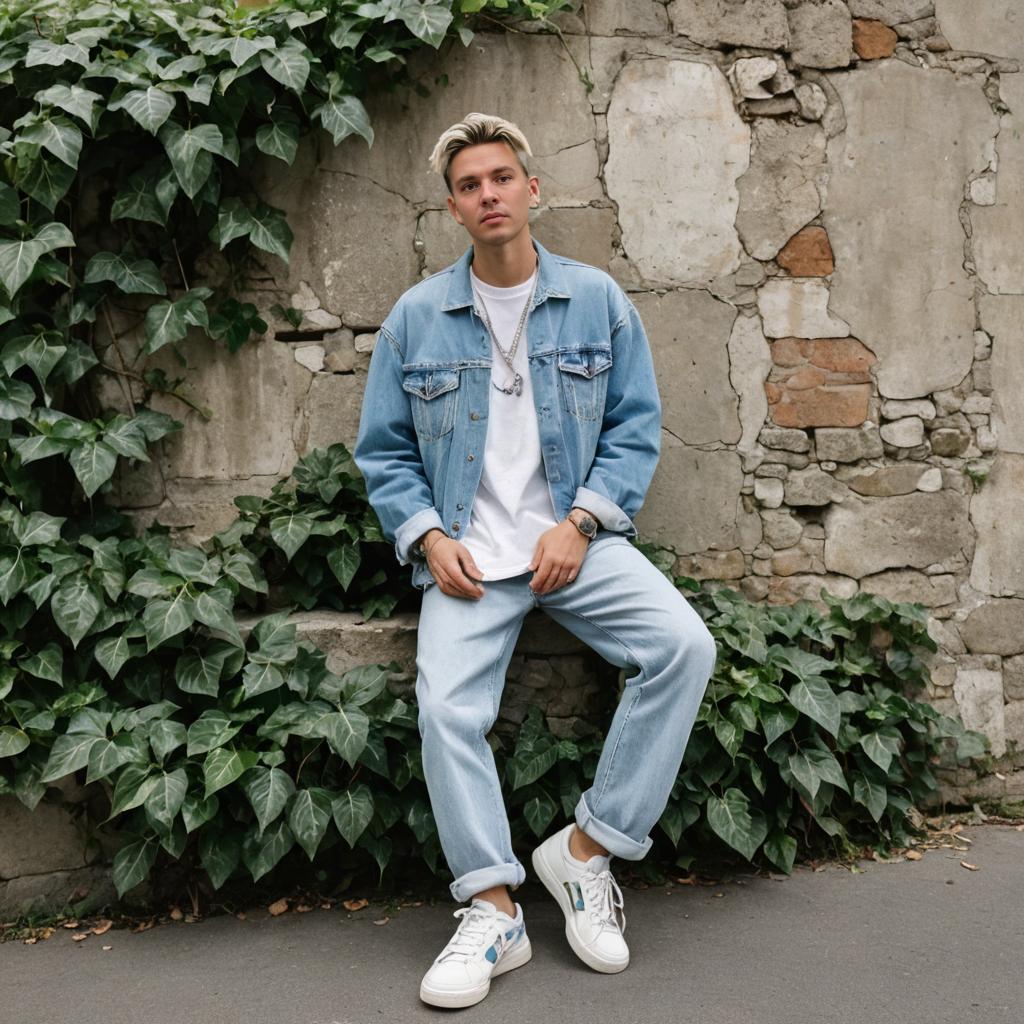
x,y
604,899
476,924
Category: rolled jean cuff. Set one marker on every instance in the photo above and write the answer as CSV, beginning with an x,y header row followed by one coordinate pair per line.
x,y
617,844
469,884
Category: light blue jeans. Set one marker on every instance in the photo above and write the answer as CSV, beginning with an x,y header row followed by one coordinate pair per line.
x,y
628,612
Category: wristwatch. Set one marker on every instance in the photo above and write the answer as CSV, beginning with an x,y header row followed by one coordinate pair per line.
x,y
586,523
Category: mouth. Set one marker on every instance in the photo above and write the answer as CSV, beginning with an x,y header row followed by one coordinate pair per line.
x,y
491,217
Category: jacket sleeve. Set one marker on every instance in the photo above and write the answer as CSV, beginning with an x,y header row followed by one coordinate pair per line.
x,y
388,455
630,441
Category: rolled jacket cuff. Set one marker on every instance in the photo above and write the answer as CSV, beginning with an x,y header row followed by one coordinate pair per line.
x,y
608,514
412,529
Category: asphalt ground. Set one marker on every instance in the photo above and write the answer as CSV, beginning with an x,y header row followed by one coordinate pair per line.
x,y
925,941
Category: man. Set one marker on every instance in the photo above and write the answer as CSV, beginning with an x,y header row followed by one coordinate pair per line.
x,y
509,433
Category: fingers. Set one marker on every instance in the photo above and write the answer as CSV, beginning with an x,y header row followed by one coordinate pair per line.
x,y
454,569
552,574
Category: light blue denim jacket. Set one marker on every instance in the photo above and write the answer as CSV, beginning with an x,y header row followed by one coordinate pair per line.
x,y
420,443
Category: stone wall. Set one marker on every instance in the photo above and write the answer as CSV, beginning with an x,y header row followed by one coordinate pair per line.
x,y
816,206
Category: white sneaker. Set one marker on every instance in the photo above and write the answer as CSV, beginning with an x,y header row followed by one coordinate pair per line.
x,y
487,942
590,899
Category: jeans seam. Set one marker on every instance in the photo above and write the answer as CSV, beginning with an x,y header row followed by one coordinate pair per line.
x,y
618,739
484,746
636,697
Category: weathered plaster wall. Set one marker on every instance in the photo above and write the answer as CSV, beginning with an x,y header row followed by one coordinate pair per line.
x,y
817,207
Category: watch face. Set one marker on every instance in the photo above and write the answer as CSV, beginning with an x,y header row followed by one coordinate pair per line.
x,y
588,526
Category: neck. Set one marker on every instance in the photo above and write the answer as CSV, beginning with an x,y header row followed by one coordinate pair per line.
x,y
506,265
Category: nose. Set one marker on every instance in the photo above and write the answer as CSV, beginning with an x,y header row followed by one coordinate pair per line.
x,y
487,191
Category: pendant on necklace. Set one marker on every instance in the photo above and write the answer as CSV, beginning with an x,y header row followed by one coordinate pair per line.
x,y
515,388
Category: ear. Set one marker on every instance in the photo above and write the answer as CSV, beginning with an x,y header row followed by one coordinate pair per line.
x,y
534,186
454,210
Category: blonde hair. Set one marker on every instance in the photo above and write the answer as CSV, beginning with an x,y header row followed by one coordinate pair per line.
x,y
474,130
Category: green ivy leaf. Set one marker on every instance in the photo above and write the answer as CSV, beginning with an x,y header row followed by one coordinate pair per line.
x,y
139,277
427,21
74,99
280,138
344,560
343,115
166,797
46,179
220,852
290,531
58,136
133,862
780,849
200,671
346,731
94,463
287,64
165,736
212,729
164,619
191,153
309,814
734,821
13,741
353,810
268,790
262,850
539,811
75,608
150,107
222,767
816,699
46,663
68,753
18,259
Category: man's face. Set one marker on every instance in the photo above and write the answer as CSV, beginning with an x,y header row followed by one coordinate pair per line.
x,y
491,194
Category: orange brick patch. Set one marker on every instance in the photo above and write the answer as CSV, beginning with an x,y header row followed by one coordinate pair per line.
x,y
807,254
872,39
819,382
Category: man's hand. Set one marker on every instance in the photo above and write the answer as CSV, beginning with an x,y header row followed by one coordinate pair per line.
x,y
557,557
453,567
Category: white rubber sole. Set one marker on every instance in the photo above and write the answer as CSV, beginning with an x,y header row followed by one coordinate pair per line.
x,y
469,997
551,882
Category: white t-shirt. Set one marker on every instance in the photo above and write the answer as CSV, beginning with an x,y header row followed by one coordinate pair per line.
x,y
512,507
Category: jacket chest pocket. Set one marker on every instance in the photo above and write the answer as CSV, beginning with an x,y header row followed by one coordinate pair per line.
x,y
433,394
583,374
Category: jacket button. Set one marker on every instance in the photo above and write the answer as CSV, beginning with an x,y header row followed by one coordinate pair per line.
x,y
470,457
460,506
474,415
455,525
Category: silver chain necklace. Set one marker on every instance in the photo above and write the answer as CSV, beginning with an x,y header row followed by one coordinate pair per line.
x,y
516,387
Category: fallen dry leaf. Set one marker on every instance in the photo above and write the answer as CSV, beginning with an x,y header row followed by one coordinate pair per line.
x,y
970,867
382,920
144,925
278,906
240,915
70,924
176,914
303,908
78,936
108,947
104,926
355,904
31,942
914,855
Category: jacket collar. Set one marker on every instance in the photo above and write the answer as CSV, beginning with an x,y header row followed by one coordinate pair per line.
x,y
551,282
